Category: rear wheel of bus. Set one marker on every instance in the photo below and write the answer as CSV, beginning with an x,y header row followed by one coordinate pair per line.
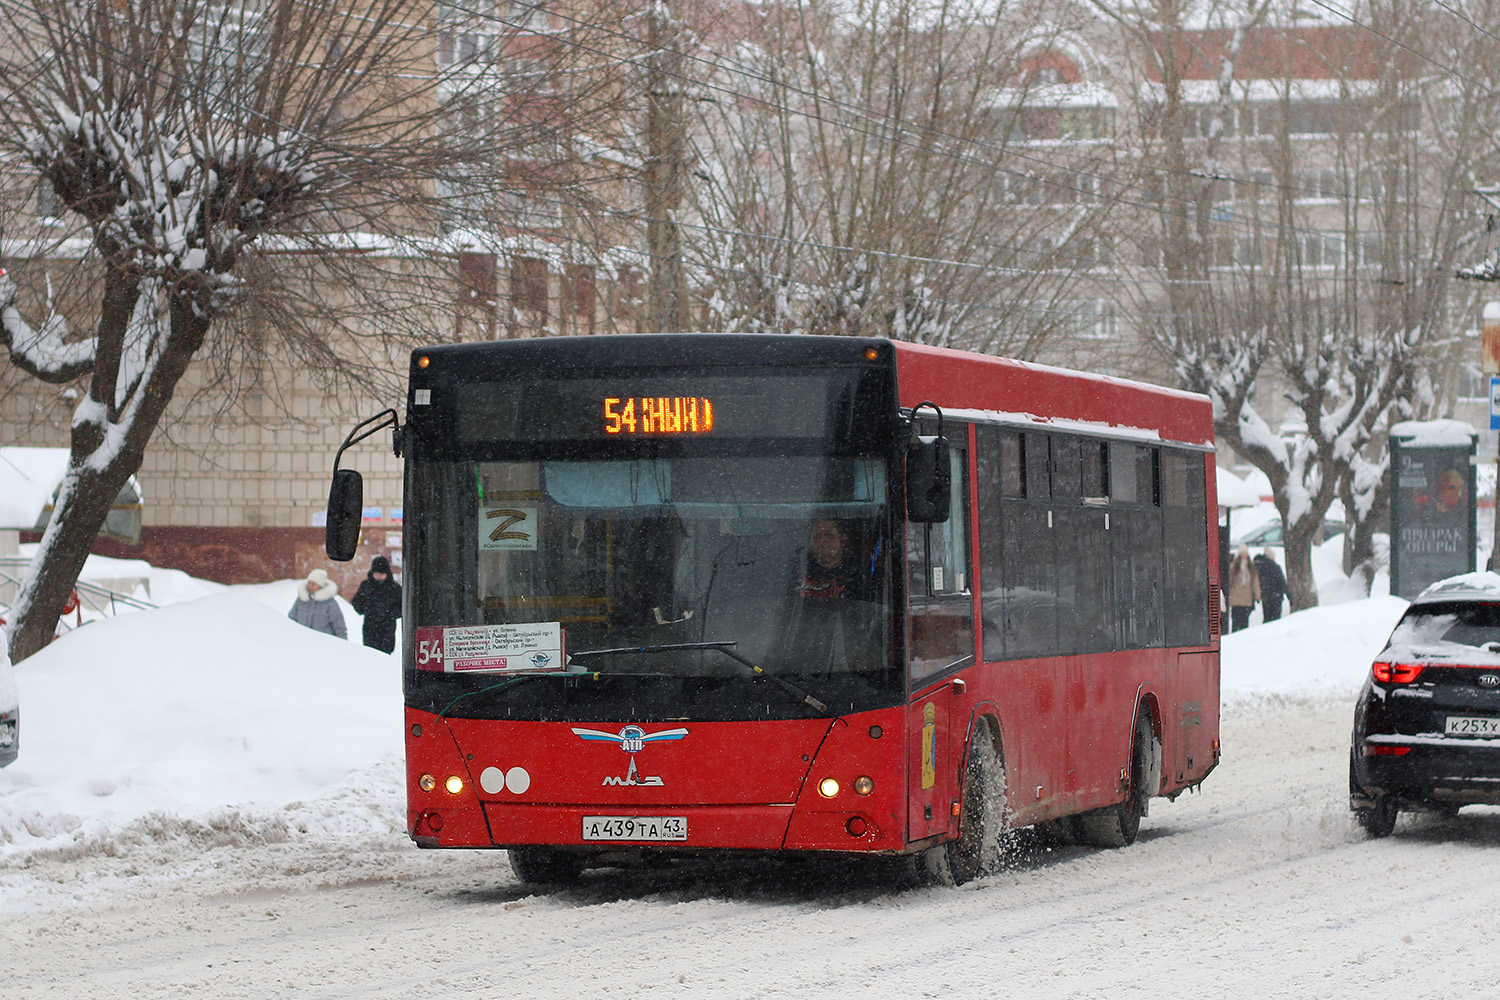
x,y
1117,825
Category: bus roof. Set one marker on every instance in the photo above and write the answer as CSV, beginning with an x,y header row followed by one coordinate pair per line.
x,y
1020,391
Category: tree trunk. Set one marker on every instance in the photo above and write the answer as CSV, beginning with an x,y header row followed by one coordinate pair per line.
x,y
103,458
1302,589
82,505
1359,543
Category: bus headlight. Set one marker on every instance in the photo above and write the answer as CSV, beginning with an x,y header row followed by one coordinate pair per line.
x,y
454,784
828,787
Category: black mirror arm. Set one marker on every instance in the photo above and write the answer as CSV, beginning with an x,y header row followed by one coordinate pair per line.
x,y
911,415
381,420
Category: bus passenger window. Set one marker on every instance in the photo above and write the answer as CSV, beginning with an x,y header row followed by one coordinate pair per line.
x,y
1036,460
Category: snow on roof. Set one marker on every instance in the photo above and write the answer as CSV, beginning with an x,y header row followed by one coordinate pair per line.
x,y
1055,95
1481,584
28,479
1091,427
1207,91
1234,491
1435,433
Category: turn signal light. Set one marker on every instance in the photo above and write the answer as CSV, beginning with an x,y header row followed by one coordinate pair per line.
x,y
427,782
1397,673
864,785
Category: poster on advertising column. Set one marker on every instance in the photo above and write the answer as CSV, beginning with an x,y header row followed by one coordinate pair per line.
x,y
1433,518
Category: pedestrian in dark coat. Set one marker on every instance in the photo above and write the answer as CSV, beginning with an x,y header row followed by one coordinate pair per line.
x,y
315,606
379,600
1272,585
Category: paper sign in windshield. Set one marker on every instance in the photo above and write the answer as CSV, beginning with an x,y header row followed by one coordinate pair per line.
x,y
492,649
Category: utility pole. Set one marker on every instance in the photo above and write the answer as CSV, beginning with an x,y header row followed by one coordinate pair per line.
x,y
666,145
1490,360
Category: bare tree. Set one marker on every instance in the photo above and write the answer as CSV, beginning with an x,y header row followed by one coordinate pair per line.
x,y
185,138
1311,177
902,168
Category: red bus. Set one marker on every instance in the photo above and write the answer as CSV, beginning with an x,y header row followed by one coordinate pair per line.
x,y
691,593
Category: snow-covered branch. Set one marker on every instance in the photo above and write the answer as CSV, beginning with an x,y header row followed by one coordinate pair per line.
x,y
41,351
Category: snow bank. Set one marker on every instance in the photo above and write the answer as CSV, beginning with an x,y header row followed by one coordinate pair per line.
x,y
218,720
1323,651
184,711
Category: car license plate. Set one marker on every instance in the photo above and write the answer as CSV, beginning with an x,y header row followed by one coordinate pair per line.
x,y
647,828
1471,725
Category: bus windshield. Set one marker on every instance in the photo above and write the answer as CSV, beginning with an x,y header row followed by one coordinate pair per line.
x,y
670,578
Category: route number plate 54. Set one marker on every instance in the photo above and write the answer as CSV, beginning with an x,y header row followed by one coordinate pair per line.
x,y
655,829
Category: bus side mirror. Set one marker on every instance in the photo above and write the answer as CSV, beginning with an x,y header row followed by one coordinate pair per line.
x,y
928,476
346,502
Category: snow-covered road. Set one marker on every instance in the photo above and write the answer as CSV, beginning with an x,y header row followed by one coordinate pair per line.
x,y
1259,886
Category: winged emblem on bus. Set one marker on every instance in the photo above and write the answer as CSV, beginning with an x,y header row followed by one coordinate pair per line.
x,y
631,739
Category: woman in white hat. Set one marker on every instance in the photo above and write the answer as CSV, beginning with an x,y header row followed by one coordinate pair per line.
x,y
316,607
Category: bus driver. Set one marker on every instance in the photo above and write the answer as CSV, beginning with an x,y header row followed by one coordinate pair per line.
x,y
832,571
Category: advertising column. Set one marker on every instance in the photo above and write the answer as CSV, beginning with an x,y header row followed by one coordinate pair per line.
x,y
1433,524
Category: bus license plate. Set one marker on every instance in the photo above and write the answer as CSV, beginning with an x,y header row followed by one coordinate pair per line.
x,y
1472,725
647,828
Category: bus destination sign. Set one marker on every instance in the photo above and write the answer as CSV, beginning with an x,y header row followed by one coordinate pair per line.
x,y
658,415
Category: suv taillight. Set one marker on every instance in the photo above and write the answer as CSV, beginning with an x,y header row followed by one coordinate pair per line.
x,y
1397,673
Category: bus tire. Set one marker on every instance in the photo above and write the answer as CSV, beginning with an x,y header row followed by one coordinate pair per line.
x,y
543,866
981,821
1117,825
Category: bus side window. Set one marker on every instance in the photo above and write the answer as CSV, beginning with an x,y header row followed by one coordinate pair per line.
x,y
999,474
1185,534
941,636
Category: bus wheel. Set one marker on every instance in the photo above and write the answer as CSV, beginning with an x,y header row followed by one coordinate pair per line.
x,y
1117,825
977,847
541,866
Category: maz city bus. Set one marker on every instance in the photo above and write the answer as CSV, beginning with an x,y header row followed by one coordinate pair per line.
x,y
693,593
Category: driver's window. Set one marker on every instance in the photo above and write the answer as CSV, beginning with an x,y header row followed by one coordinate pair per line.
x,y
941,636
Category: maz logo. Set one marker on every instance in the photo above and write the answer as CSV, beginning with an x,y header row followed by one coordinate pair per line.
x,y
631,739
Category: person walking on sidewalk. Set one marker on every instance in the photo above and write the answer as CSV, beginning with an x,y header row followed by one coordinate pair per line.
x,y
1244,589
1272,585
315,606
379,600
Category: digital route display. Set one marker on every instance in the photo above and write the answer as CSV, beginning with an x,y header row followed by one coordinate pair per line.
x,y
653,415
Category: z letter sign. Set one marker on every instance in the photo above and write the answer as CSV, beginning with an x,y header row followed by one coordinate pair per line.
x,y
503,528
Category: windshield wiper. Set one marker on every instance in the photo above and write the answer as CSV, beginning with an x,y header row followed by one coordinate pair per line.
x,y
719,647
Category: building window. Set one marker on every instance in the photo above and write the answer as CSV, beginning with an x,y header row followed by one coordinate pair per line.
x,y
528,284
581,294
49,207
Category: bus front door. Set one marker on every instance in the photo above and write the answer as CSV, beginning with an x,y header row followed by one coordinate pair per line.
x,y
929,765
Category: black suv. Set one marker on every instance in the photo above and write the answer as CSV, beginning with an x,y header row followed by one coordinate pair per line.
x,y
1427,726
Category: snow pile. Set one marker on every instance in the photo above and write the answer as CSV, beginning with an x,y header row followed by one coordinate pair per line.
x,y
217,719
196,712
1323,651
